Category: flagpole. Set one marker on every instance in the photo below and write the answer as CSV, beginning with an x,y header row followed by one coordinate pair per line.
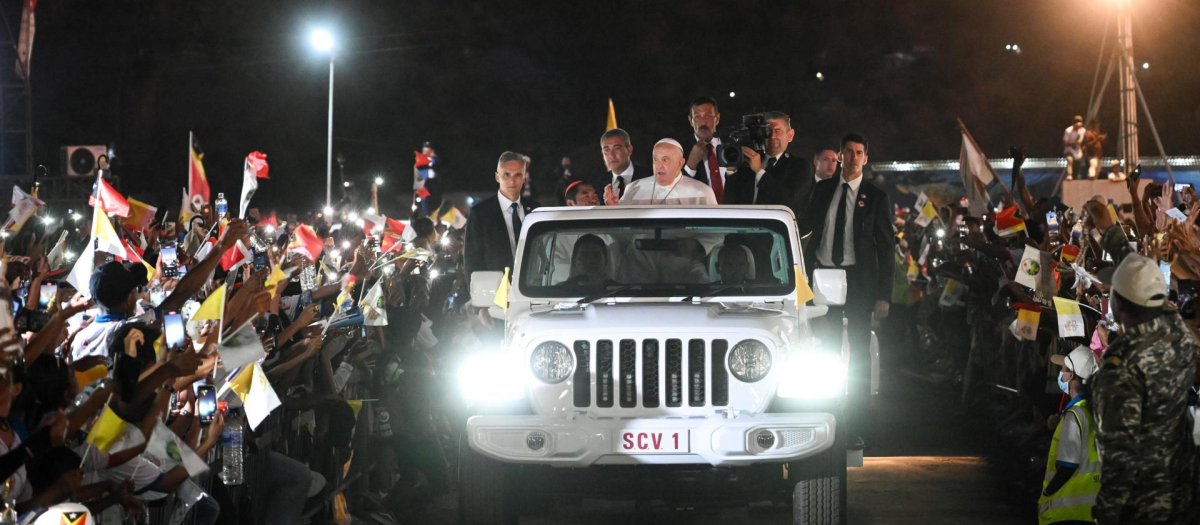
x,y
221,320
191,140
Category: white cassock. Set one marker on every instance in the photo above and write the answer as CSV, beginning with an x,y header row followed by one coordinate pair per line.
x,y
684,191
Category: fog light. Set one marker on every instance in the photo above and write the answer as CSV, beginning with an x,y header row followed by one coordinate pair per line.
x,y
535,441
765,439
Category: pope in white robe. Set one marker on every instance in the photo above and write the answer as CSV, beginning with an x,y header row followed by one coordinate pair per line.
x,y
668,186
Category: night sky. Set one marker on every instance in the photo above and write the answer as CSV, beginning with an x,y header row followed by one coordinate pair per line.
x,y
479,77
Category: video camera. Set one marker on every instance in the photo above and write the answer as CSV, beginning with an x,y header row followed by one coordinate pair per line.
x,y
753,134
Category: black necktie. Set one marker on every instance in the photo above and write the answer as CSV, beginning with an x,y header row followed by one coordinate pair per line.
x,y
771,162
839,227
516,222
619,185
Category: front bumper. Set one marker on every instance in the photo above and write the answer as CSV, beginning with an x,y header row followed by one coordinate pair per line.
x,y
585,441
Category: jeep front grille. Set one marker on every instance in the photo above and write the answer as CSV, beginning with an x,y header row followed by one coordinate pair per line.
x,y
706,381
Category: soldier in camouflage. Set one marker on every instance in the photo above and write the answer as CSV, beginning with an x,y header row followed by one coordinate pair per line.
x,y
1140,396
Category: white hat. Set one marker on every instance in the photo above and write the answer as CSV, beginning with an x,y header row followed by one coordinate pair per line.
x,y
670,141
1081,362
1139,280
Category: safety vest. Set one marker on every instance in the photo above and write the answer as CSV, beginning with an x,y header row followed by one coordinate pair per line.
x,y
1074,501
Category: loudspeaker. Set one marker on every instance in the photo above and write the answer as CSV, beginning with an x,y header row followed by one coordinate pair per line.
x,y
80,161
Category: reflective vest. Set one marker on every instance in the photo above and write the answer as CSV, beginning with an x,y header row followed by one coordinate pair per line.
x,y
1074,501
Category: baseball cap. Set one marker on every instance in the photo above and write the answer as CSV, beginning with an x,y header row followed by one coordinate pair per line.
x,y
1139,280
112,283
1081,361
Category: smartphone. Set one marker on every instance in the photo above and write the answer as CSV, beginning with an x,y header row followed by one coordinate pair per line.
x,y
182,270
1179,188
206,403
260,260
173,330
1165,267
170,261
49,292
1052,220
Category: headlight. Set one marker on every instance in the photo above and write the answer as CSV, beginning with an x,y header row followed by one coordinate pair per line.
x,y
551,362
750,361
491,377
813,374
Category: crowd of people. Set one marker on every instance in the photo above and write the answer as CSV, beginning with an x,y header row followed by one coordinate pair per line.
x,y
221,369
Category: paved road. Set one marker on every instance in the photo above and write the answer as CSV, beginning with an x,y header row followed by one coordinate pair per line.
x,y
921,469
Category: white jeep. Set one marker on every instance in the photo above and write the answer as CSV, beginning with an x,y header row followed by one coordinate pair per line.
x,y
639,361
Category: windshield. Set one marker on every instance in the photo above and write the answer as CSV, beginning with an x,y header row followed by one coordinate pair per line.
x,y
657,258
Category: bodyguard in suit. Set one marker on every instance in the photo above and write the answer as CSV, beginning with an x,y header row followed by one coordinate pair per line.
x,y
850,220
701,163
494,226
773,179
824,166
617,153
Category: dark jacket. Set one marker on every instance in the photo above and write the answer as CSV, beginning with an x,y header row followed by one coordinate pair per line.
x,y
874,239
486,247
779,185
639,172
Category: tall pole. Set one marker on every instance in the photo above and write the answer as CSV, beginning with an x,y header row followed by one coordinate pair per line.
x,y
1129,128
329,150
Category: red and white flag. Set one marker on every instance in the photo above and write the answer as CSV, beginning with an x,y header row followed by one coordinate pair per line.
x,y
396,232
255,168
306,242
197,180
373,223
236,256
110,200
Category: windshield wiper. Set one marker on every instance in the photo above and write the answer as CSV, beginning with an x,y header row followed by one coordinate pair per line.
x,y
593,298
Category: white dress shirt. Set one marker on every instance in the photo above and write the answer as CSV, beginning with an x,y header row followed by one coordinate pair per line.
x,y
684,191
825,251
507,211
716,141
627,175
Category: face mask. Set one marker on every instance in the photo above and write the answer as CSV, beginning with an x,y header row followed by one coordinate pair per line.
x,y
1063,385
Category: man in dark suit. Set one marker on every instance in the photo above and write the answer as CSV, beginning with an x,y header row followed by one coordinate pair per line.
x,y
701,163
824,166
850,220
494,226
622,171
773,179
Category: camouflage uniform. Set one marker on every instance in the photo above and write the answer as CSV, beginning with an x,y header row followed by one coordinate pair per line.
x,y
1143,433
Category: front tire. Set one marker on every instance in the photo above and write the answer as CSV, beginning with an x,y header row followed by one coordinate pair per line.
x,y
819,497
484,489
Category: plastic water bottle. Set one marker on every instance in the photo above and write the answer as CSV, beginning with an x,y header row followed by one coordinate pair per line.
x,y
231,449
222,207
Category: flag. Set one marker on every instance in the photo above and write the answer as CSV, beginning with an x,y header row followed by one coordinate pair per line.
x,y
236,256
394,233
25,39
255,168
261,399
55,258
197,180
81,274
926,210
418,177
166,446
913,271
373,309
420,254
306,242
212,307
105,237
1070,318
1070,252
501,298
1029,270
422,161
952,293
140,214
454,218
23,207
278,275
186,212
422,193
612,117
1026,324
804,292
110,200
241,348
1008,223
355,405
372,223
106,430
240,384
974,166
1112,213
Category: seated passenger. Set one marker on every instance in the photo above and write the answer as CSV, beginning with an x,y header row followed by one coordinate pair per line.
x,y
589,262
686,264
733,264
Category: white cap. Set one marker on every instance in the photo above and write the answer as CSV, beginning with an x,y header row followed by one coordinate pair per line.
x,y
1081,362
670,141
1139,280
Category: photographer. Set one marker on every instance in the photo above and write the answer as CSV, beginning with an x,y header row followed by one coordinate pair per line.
x,y
773,178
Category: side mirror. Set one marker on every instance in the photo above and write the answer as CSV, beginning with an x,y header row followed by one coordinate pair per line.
x,y
829,287
483,288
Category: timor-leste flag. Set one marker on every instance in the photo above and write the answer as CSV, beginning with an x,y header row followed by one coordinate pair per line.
x,y
110,201
140,214
306,242
1069,253
197,180
394,233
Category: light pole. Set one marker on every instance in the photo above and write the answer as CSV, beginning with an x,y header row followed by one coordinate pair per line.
x,y
322,40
